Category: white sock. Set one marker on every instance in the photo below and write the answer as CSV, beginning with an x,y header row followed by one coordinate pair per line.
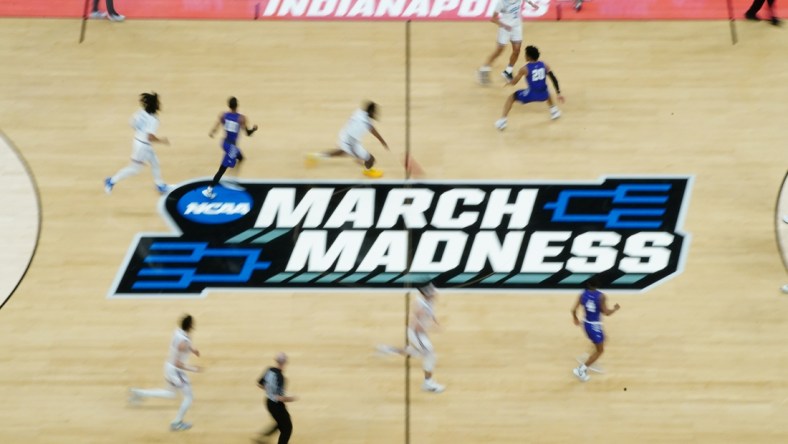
x,y
583,367
509,69
154,393
554,109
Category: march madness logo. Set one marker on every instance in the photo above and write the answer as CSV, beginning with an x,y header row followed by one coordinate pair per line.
x,y
490,236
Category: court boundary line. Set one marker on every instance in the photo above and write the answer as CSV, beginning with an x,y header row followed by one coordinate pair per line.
x,y
778,219
39,220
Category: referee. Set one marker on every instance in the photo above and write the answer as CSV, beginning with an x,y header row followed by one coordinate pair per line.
x,y
273,382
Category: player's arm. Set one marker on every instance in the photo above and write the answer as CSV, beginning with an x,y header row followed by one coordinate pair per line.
x,y
574,311
605,309
554,81
249,131
520,74
377,135
217,125
496,18
416,316
184,347
152,138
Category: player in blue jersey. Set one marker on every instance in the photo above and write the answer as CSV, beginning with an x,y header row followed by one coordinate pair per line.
x,y
232,122
594,303
535,73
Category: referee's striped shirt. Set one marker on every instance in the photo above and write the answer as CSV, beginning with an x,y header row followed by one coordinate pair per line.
x,y
274,383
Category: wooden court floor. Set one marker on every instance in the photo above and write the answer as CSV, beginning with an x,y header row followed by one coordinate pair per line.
x,y
702,357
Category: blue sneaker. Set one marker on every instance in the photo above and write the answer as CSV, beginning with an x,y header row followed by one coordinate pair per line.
x,y
108,185
163,188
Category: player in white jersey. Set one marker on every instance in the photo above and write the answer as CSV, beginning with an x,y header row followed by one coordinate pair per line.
x,y
175,369
349,142
508,17
145,124
422,318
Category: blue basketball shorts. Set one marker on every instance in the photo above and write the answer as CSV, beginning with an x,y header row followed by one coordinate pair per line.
x,y
231,155
595,333
528,96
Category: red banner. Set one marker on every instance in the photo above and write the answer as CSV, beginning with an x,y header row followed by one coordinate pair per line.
x,y
442,10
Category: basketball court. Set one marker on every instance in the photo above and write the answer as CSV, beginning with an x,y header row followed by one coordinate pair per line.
x,y
697,358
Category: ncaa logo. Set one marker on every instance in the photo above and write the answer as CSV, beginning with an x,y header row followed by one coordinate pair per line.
x,y
228,206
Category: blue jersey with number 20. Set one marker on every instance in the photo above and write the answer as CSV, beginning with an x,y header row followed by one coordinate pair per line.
x,y
536,77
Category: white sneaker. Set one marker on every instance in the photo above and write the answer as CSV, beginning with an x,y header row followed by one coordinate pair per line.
x,y
98,15
500,124
208,192
785,288
555,114
119,18
785,218
581,375
432,386
180,426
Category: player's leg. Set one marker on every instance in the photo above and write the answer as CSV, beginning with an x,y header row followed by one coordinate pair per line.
x,y
598,350
507,106
355,149
516,45
500,43
232,181
155,168
138,394
554,111
131,169
186,390
429,359
208,192
597,336
231,156
312,159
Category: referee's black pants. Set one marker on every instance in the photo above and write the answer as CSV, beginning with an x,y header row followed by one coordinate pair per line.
x,y
757,5
282,418
110,7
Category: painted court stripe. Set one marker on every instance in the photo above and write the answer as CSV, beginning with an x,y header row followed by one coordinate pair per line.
x,y
527,278
271,235
243,236
629,279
